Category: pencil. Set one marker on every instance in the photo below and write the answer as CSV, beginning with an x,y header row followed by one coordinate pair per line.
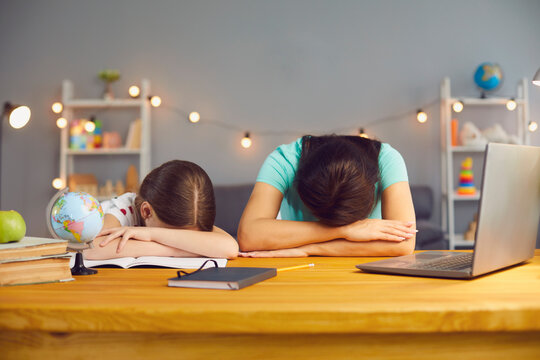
x,y
295,267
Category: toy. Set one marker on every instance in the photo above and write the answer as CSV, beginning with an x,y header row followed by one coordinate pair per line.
x,y
471,231
83,183
132,182
111,140
470,135
466,178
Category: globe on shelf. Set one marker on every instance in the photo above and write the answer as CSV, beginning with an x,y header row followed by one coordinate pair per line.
x,y
76,217
488,77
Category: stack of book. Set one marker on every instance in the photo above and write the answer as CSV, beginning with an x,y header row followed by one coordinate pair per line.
x,y
34,260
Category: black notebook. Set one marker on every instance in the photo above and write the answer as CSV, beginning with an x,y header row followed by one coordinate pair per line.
x,y
229,278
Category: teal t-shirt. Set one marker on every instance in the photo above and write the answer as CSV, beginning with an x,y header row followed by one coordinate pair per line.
x,y
279,170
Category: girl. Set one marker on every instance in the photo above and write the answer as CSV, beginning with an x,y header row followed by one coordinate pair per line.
x,y
173,215
337,196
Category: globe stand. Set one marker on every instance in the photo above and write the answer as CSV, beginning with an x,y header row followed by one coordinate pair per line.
x,y
79,268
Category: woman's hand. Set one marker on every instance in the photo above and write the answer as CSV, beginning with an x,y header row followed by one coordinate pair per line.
x,y
274,253
140,233
377,229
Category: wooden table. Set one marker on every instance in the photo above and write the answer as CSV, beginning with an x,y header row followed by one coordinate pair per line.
x,y
331,311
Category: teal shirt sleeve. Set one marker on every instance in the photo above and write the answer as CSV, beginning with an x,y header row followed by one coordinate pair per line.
x,y
391,166
392,170
279,168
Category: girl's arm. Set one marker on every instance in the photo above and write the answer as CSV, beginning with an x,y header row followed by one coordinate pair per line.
x,y
259,230
159,242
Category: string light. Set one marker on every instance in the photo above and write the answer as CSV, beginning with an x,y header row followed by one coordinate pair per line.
x,y
61,122
511,104
134,91
298,132
155,100
194,117
58,183
533,126
362,133
246,141
457,106
89,126
421,116
57,107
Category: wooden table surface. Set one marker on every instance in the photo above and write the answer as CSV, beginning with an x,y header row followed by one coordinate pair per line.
x,y
333,299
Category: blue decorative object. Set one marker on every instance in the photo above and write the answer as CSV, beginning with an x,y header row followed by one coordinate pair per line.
x,y
76,217
488,77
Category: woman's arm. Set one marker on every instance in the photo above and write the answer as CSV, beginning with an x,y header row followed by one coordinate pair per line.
x,y
113,242
259,230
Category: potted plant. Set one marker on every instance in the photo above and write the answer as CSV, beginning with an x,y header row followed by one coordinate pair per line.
x,y
108,76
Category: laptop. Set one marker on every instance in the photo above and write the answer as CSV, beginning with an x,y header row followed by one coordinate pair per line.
x,y
508,217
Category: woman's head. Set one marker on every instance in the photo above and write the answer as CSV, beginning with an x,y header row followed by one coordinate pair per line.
x,y
336,177
180,194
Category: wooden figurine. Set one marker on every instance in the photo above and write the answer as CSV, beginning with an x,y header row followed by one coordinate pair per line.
x,y
119,188
132,179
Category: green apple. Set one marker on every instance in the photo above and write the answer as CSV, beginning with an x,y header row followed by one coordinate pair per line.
x,y
12,226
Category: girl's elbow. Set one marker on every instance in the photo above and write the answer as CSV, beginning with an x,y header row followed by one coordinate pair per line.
x,y
232,251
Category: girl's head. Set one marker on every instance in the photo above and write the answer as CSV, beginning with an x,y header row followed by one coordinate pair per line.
x,y
180,194
336,177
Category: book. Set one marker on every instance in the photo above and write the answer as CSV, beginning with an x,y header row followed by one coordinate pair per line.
x,y
151,261
35,270
227,278
30,247
133,139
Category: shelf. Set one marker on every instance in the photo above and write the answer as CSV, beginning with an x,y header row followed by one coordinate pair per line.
x,y
474,197
119,151
486,101
474,148
451,201
460,241
99,103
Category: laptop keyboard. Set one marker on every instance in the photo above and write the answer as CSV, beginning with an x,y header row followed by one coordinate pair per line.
x,y
458,262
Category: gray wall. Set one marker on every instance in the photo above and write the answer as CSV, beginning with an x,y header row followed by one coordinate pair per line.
x,y
300,66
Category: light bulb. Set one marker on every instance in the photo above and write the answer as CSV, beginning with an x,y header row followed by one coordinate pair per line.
x,y
90,126
155,101
511,105
194,117
246,141
536,78
57,107
457,106
58,183
19,117
362,133
61,122
421,116
134,91
533,126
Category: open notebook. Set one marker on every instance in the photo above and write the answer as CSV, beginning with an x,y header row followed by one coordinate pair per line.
x,y
150,261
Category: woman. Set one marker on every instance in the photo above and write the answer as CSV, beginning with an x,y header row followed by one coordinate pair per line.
x,y
337,196
172,215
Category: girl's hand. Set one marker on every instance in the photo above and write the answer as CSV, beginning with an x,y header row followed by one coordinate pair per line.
x,y
140,233
274,253
377,229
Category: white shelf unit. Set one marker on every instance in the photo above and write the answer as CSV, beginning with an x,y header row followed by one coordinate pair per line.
x,y
449,193
71,104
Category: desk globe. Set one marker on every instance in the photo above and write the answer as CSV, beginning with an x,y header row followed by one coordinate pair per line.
x,y
76,217
488,77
